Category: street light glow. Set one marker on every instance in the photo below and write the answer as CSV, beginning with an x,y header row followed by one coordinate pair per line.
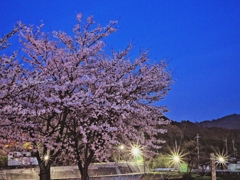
x,y
121,147
221,160
135,151
46,157
176,158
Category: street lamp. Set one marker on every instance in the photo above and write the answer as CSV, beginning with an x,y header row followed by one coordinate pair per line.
x,y
136,151
121,147
176,159
46,157
120,151
221,159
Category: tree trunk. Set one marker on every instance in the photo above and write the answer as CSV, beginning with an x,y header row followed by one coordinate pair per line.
x,y
44,171
84,171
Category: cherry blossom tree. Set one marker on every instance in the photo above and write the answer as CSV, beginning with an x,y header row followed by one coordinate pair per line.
x,y
118,107
4,40
11,74
40,111
10,70
77,102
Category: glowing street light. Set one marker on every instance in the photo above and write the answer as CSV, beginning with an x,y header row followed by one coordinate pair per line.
x,y
135,151
221,159
46,158
120,151
121,147
176,158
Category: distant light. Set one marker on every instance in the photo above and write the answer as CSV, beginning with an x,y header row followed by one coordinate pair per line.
x,y
221,159
135,151
176,158
121,147
46,157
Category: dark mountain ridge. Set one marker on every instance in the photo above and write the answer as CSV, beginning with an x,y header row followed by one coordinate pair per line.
x,y
227,122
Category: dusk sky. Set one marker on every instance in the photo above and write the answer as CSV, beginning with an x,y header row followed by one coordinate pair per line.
x,y
199,38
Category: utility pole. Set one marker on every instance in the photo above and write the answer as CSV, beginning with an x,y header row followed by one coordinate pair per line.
x,y
234,151
197,137
226,146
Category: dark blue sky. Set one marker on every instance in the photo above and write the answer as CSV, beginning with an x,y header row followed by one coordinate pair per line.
x,y
200,39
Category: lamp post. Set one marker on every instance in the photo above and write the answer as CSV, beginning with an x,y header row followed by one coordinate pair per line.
x,y
221,161
46,158
176,160
137,152
120,150
121,147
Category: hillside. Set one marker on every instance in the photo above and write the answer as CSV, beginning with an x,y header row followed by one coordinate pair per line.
x,y
226,122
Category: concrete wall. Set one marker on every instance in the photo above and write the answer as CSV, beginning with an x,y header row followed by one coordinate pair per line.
x,y
119,177
98,171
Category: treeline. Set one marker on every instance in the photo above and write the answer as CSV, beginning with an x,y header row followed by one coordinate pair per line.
x,y
195,143
210,137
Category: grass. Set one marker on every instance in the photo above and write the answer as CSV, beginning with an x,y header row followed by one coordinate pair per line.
x,y
181,176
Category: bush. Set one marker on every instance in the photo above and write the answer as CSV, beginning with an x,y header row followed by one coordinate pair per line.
x,y
3,161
